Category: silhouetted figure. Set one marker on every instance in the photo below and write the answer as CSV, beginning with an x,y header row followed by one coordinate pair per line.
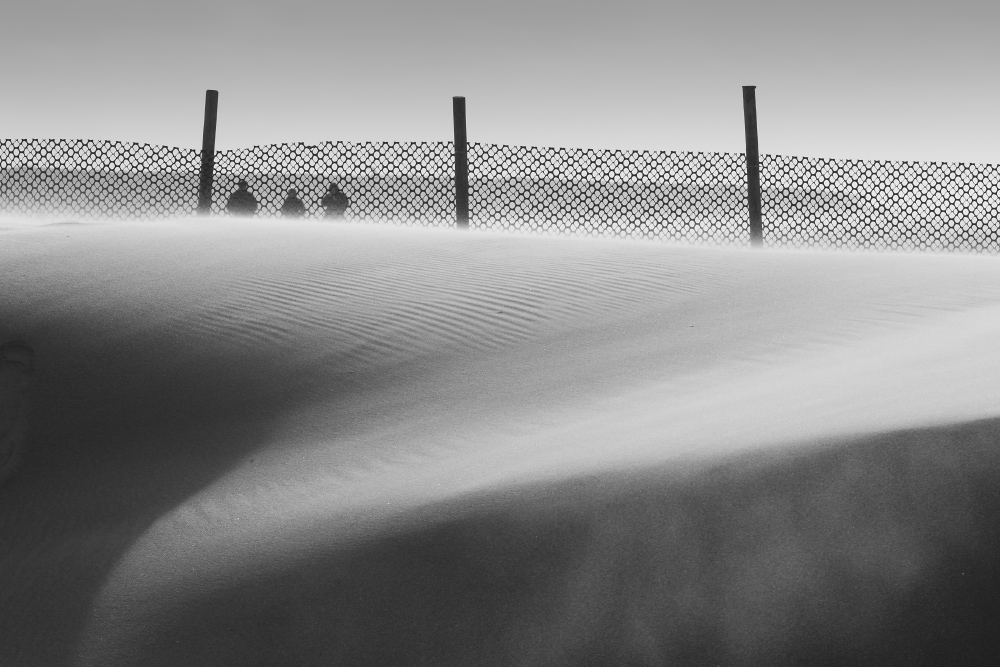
x,y
293,206
242,202
335,202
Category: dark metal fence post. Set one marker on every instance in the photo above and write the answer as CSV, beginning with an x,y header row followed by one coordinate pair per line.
x,y
461,164
208,153
753,165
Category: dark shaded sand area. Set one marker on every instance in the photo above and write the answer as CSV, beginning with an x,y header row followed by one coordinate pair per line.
x,y
273,443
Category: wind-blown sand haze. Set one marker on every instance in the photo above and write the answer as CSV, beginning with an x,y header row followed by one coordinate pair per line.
x,y
296,443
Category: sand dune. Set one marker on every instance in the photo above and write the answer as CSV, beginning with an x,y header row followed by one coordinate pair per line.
x,y
274,443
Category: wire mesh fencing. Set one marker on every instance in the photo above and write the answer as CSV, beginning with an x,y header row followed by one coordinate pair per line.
x,y
879,205
407,183
97,179
691,197
698,197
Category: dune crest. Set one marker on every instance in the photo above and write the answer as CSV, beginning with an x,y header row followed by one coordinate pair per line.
x,y
259,443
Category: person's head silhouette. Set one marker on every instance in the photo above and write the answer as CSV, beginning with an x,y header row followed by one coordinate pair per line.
x,y
243,185
292,192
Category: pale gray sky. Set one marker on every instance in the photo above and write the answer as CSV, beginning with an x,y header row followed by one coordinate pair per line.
x,y
883,79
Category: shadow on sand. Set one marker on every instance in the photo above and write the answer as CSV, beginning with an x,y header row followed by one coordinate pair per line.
x,y
121,431
880,550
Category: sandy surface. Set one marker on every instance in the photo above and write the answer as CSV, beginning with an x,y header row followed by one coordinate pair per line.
x,y
275,443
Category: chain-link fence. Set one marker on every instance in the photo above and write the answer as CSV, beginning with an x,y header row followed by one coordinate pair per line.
x,y
409,183
696,197
96,179
876,205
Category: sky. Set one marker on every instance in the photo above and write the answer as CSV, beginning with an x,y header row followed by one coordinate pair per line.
x,y
871,79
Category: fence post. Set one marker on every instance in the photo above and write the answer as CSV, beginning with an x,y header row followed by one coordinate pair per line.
x,y
461,164
753,165
208,153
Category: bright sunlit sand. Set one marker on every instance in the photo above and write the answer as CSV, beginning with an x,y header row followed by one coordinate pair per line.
x,y
301,443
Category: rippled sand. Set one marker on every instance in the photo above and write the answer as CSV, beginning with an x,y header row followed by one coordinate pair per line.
x,y
275,443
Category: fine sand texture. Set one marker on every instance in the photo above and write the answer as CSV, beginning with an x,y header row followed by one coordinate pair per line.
x,y
258,443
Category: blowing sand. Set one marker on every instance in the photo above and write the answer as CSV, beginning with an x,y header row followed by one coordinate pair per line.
x,y
280,443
